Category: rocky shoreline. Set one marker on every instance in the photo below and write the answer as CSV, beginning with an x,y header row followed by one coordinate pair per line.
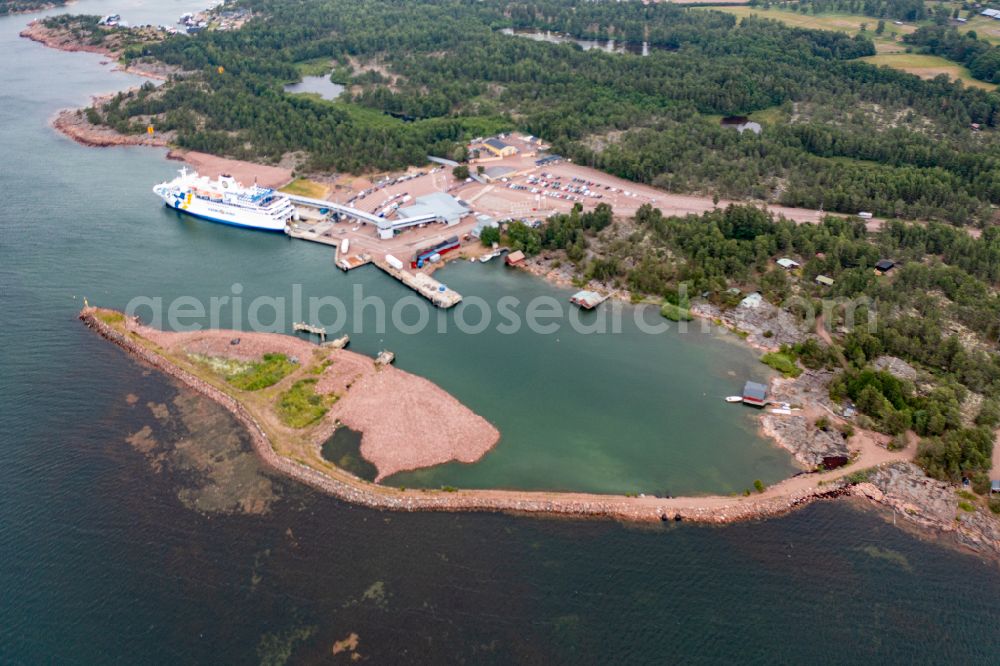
x,y
73,123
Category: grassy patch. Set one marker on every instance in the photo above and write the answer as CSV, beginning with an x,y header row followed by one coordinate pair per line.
x,y
966,495
304,187
773,115
675,312
221,365
301,406
927,67
314,67
849,23
965,506
319,368
267,372
782,363
860,476
110,317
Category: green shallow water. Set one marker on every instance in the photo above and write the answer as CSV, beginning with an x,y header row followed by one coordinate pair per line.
x,y
135,527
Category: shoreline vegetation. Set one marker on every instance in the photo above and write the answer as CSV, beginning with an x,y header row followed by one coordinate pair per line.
x,y
877,474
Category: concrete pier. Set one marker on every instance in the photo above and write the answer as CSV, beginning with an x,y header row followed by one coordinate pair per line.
x,y
425,285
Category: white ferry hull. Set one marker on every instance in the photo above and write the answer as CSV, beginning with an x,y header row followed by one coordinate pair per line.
x,y
219,213
226,202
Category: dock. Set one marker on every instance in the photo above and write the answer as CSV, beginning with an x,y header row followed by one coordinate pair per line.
x,y
587,300
337,343
423,284
352,261
303,327
320,232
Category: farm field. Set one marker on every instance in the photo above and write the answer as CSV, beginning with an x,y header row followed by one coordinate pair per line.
x,y
927,67
849,23
986,28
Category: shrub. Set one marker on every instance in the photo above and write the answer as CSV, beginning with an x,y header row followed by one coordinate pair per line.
x,y
489,235
759,485
782,363
860,476
301,406
980,482
957,452
675,312
267,372
995,505
989,414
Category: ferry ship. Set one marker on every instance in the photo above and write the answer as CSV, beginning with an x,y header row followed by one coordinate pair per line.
x,y
226,201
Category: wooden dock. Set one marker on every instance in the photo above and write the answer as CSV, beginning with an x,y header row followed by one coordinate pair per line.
x,y
423,284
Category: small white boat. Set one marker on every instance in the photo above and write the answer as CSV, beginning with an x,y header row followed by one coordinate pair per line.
x,y
782,411
734,398
487,257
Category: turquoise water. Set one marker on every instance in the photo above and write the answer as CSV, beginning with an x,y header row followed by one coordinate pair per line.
x,y
185,552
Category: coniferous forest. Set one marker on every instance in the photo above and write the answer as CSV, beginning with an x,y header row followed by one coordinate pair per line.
x,y
424,76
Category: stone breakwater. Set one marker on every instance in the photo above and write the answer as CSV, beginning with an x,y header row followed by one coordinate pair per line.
x,y
777,500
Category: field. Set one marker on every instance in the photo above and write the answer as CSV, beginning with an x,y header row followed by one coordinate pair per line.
x,y
986,28
849,23
927,67
306,188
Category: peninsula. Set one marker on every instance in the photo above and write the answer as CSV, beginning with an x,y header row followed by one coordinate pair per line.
x,y
290,395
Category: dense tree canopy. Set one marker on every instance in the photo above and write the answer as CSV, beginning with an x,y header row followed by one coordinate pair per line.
x,y
424,76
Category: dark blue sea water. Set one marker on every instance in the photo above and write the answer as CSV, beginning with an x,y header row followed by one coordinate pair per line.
x,y
137,527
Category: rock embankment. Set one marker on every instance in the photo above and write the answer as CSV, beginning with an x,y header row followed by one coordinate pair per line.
x,y
932,504
777,500
894,483
766,326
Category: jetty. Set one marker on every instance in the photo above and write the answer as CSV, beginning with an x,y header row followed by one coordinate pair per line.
x,y
303,327
337,343
434,291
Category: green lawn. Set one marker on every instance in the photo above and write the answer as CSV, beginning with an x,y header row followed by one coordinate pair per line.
x,y
306,188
